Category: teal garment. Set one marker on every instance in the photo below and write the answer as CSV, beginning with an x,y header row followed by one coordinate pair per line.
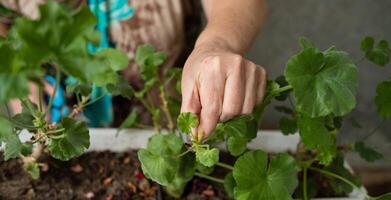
x,y
100,113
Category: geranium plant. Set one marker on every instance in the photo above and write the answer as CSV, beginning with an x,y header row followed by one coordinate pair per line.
x,y
58,40
323,85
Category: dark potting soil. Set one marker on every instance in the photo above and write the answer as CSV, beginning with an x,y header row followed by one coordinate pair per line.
x,y
94,175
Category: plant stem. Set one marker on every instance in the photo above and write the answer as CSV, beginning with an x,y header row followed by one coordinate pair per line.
x,y
58,76
166,111
331,174
40,98
217,180
282,89
55,131
226,166
185,152
27,103
95,100
305,193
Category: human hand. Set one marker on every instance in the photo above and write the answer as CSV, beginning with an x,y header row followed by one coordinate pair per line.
x,y
218,85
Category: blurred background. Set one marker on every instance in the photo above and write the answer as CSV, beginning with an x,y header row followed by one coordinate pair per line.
x,y
341,23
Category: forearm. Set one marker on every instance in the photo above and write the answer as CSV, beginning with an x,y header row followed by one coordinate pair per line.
x,y
232,24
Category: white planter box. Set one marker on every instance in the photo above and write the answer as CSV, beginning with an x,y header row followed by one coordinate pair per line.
x,y
102,139
270,141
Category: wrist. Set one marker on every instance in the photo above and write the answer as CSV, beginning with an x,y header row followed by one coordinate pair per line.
x,y
213,42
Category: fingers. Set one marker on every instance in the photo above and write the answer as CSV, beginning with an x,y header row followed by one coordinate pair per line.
x,y
252,80
261,74
211,92
234,92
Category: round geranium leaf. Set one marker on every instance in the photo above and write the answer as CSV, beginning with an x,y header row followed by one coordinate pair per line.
x,y
323,82
256,179
164,145
74,141
187,121
207,157
158,168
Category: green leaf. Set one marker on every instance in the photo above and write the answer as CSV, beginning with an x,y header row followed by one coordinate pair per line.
x,y
130,120
337,167
256,179
87,68
382,99
367,44
244,126
159,161
367,153
236,145
13,86
288,125
83,24
149,61
229,184
379,54
184,174
158,168
305,43
27,149
186,122
323,83
164,145
84,89
23,120
122,87
33,169
315,136
13,146
74,141
147,87
207,157
116,59
203,169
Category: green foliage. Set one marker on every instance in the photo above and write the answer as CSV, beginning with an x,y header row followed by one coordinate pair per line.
x,y
323,83
149,60
65,35
184,174
229,184
258,179
383,99
130,120
207,157
72,142
338,167
122,88
187,121
379,54
13,145
33,169
236,145
367,153
159,160
288,125
315,135
305,43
